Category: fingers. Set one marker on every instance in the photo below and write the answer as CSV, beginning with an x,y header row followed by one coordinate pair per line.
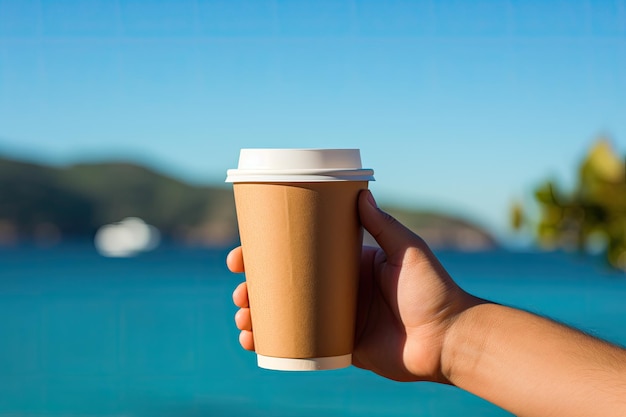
x,y
243,319
244,323
234,260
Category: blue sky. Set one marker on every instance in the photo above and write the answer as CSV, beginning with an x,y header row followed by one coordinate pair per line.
x,y
462,106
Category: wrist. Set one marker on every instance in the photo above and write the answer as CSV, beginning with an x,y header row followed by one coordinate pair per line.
x,y
464,339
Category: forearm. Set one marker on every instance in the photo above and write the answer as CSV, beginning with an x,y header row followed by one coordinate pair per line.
x,y
532,366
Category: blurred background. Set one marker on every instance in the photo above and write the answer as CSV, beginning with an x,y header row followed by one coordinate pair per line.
x,y
496,130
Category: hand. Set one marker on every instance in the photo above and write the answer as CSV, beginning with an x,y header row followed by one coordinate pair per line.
x,y
406,302
414,323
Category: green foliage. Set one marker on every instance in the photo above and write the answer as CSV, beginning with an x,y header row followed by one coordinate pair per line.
x,y
593,215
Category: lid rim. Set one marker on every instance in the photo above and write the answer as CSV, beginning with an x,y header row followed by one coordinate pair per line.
x,y
302,171
297,178
299,165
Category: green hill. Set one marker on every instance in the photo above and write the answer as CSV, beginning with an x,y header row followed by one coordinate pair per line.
x,y
76,200
48,203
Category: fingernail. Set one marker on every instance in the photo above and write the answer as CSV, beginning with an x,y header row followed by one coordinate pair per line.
x,y
370,199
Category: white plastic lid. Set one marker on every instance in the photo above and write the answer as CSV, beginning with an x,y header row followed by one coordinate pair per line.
x,y
299,165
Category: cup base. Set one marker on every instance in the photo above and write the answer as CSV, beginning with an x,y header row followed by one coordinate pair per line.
x,y
306,364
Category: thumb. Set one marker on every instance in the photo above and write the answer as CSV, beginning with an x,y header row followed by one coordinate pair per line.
x,y
392,236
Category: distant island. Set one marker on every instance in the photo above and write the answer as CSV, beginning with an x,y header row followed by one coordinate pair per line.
x,y
46,205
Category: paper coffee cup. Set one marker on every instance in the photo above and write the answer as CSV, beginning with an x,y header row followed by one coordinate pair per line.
x,y
301,241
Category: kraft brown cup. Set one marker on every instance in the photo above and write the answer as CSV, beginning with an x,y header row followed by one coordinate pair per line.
x,y
301,244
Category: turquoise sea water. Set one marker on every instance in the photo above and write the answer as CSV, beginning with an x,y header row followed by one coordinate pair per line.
x,y
154,336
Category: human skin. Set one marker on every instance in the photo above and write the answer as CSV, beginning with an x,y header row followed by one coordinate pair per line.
x,y
414,323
